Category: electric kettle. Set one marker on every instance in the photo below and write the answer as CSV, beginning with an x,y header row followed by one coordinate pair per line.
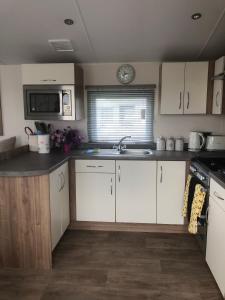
x,y
196,141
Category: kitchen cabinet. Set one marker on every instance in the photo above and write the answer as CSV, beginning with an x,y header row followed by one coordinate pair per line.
x,y
60,73
59,203
136,191
95,190
184,88
172,88
170,191
215,248
195,89
218,106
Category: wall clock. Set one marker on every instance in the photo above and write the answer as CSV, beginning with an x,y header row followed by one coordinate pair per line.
x,y
125,74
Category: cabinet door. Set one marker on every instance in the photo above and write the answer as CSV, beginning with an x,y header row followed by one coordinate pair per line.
x,y
56,207
64,196
196,83
136,191
95,197
170,191
172,88
215,249
48,73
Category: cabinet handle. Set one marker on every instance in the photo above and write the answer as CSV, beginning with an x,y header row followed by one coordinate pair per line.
x,y
119,173
111,187
188,102
60,184
217,196
90,166
217,94
180,100
161,175
50,80
63,180
100,166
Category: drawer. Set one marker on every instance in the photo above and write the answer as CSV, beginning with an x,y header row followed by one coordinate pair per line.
x,y
217,192
95,166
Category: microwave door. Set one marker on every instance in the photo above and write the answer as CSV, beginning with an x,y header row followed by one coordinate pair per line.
x,y
43,104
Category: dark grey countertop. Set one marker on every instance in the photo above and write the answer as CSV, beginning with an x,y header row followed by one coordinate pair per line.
x,y
34,164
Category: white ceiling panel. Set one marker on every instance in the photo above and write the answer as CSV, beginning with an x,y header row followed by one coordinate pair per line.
x,y
111,30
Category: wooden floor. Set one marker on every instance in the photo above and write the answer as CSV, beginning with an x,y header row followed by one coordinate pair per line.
x,y
91,265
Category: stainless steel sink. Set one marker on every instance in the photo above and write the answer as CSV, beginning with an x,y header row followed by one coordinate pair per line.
x,y
113,152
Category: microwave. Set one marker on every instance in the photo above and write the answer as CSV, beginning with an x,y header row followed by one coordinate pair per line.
x,y
49,102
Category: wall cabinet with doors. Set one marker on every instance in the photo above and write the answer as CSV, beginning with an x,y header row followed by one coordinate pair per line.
x,y
184,88
170,191
48,74
59,75
218,106
215,248
136,191
40,215
59,203
95,190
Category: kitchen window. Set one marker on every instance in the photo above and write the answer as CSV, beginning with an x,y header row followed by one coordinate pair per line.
x,y
116,112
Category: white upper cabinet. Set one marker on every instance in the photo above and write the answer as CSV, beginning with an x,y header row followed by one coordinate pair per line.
x,y
62,73
136,191
172,90
170,191
184,88
218,88
196,83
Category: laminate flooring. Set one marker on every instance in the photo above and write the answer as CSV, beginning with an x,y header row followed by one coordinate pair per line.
x,y
94,265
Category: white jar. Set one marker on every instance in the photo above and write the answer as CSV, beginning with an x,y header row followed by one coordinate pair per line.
x,y
160,144
170,144
43,143
179,144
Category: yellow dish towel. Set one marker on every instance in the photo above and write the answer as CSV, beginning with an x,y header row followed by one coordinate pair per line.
x,y
196,208
186,193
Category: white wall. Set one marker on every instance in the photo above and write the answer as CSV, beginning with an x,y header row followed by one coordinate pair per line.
x,y
12,104
97,74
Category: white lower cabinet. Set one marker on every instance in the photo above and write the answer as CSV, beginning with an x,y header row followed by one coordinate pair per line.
x,y
136,191
215,249
130,191
59,202
170,191
95,190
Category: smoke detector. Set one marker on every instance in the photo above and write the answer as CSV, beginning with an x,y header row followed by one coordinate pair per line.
x,y
61,45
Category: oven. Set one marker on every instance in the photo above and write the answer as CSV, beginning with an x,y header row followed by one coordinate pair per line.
x,y
49,102
202,177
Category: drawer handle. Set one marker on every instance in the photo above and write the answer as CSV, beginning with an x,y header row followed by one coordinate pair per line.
x,y
217,196
89,166
100,166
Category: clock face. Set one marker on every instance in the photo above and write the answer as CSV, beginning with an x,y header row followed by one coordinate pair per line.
x,y
126,74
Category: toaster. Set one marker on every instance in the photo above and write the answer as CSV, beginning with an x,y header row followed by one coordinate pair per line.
x,y
215,142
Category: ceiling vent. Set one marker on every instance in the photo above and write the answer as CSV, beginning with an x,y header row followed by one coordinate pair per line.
x,y
61,45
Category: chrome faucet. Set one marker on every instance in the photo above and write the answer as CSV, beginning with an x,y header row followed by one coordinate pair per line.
x,y
120,147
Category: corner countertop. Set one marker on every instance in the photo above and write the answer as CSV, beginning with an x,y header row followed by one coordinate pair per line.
x,y
34,164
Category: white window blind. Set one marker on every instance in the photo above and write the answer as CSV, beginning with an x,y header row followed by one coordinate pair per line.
x,y
114,113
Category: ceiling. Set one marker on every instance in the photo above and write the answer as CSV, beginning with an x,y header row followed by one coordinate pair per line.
x,y
111,31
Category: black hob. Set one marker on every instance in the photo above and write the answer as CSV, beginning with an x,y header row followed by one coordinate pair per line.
x,y
215,164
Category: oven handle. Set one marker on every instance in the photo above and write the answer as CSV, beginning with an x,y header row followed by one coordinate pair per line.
x,y
207,215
